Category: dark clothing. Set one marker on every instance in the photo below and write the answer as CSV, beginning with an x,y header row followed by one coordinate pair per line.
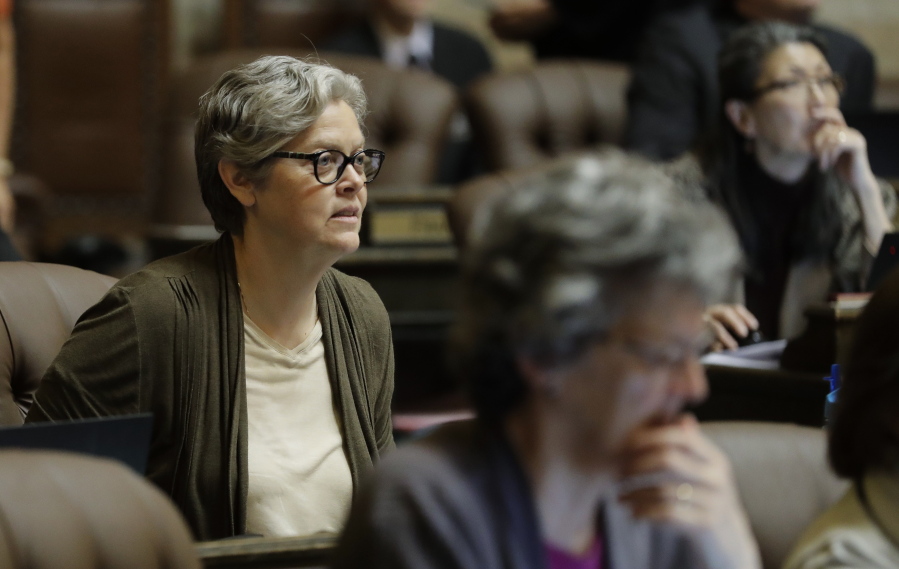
x,y
457,57
673,98
779,206
459,499
169,340
808,280
599,30
8,251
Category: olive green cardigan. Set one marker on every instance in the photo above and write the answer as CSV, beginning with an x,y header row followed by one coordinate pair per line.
x,y
169,340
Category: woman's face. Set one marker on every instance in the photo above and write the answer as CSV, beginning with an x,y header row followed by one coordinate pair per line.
x,y
643,373
292,207
795,81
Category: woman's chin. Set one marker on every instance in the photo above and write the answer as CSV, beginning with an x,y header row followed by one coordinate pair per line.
x,y
347,243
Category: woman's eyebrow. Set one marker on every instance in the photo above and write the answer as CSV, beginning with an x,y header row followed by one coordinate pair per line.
x,y
796,70
331,144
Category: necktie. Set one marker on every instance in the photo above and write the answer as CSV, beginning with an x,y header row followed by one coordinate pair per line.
x,y
419,62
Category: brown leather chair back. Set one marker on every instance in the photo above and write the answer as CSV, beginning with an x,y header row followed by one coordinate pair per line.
x,y
296,24
39,305
90,78
521,119
474,194
32,197
69,511
783,478
409,116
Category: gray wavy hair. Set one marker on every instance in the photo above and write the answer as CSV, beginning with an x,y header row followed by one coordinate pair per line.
x,y
554,263
254,110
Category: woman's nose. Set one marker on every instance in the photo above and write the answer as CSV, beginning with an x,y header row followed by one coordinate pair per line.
x,y
351,181
816,94
689,380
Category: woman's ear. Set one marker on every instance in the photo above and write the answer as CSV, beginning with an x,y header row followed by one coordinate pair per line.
x,y
740,115
540,378
237,183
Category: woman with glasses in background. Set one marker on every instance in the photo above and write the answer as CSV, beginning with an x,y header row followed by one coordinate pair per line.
x,y
268,372
794,179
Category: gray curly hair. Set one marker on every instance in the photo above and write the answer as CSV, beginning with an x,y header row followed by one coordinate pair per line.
x,y
554,263
252,111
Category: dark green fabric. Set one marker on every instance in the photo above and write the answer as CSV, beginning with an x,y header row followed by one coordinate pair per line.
x,y
169,340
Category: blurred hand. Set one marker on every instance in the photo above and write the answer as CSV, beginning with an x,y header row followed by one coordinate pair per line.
x,y
841,148
728,321
522,20
7,207
673,475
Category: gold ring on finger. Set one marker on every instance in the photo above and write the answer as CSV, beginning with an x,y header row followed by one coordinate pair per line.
x,y
684,492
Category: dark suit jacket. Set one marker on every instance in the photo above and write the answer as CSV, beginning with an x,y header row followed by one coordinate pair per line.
x,y
673,97
458,57
458,499
599,30
8,251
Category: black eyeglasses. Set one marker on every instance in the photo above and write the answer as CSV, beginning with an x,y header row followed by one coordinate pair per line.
x,y
329,165
829,84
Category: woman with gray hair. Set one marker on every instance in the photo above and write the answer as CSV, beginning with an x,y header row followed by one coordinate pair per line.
x,y
269,373
579,336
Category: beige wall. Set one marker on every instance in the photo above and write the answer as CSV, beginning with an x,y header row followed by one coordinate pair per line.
x,y
876,22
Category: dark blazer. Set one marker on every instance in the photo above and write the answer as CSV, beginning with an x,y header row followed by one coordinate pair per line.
x,y
458,57
673,97
459,499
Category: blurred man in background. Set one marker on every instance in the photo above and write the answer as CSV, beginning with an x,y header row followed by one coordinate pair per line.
x,y
401,33
579,28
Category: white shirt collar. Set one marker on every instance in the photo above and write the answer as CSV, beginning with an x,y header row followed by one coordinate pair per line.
x,y
397,49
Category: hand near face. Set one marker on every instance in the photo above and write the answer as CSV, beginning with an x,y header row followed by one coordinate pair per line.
x,y
729,322
841,148
672,475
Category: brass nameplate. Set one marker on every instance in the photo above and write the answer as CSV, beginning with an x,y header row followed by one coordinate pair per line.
x,y
410,225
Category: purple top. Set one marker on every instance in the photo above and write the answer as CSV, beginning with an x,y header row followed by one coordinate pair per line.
x,y
558,559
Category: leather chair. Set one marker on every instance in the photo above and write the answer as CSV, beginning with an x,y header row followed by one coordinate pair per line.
x,y
32,199
90,77
474,194
287,23
69,511
521,119
783,478
409,118
39,305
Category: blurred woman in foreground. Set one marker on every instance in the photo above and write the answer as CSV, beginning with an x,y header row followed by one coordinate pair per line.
x,y
580,333
862,529
794,179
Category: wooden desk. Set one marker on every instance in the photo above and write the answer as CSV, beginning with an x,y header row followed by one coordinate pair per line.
x,y
267,553
826,339
419,288
744,394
